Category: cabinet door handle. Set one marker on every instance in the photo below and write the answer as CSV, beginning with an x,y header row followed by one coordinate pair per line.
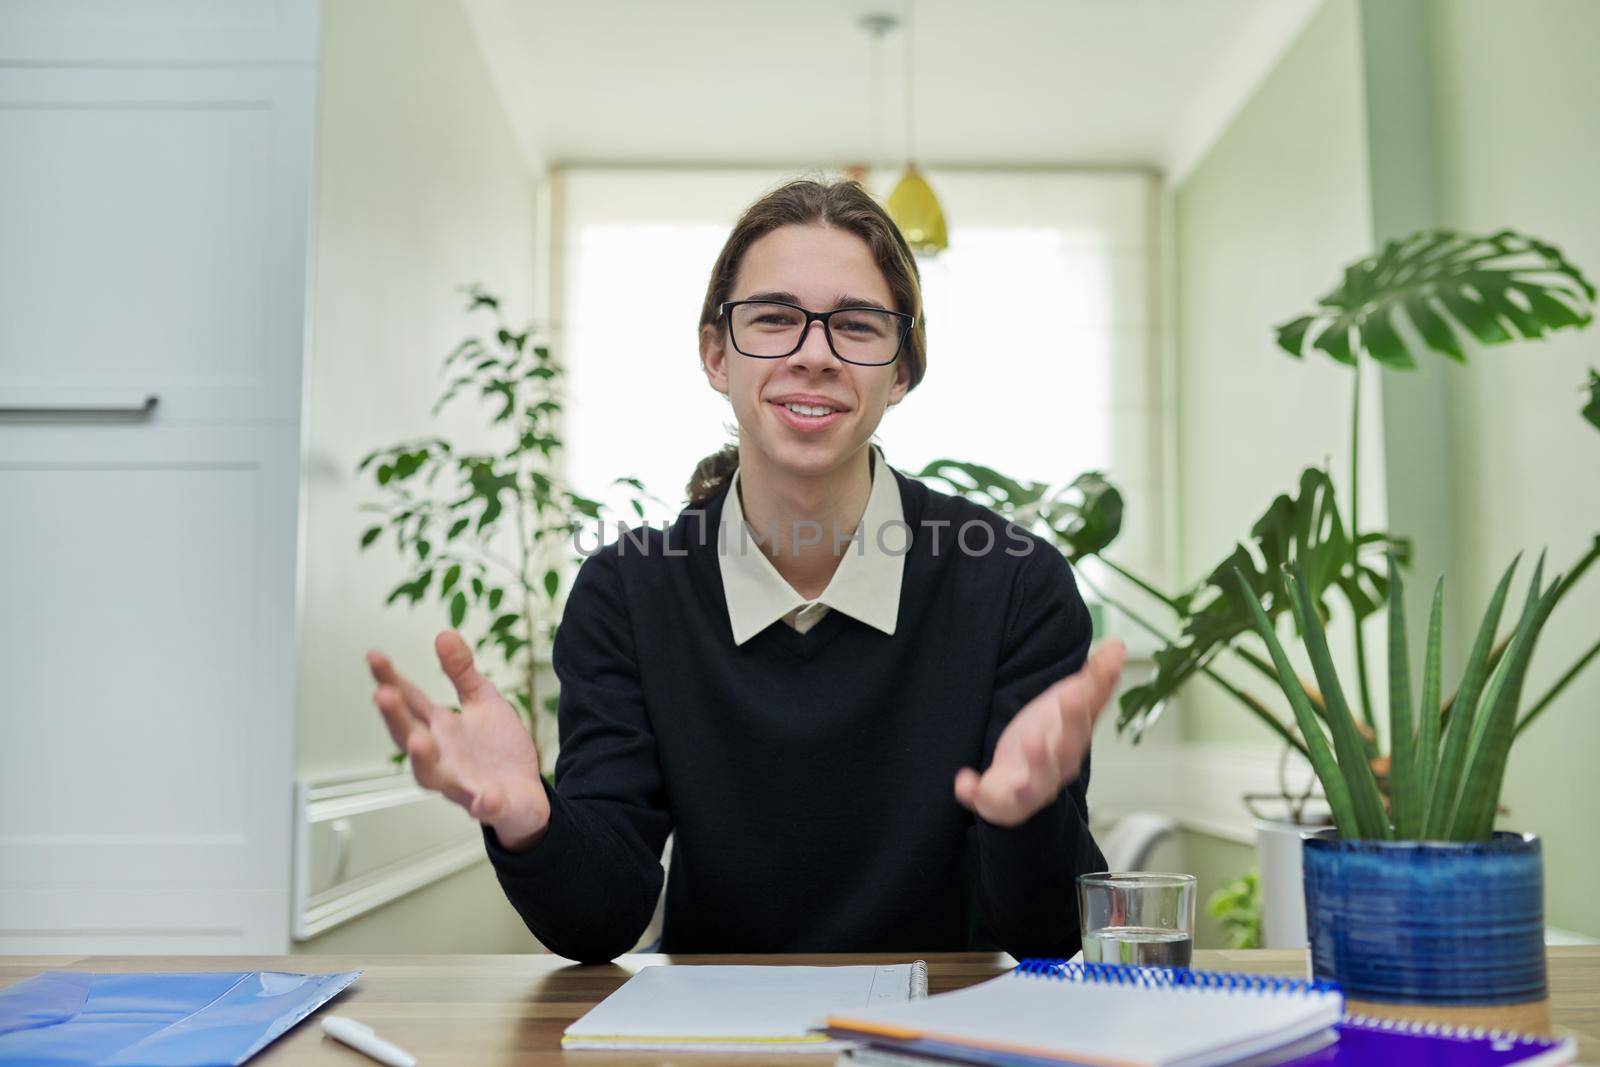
x,y
138,410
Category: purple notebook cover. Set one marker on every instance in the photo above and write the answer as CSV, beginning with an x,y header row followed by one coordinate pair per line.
x,y
1370,1041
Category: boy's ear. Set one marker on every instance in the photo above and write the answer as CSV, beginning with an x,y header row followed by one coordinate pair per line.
x,y
902,382
714,357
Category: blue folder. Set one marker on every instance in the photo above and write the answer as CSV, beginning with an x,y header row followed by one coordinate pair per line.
x,y
77,1019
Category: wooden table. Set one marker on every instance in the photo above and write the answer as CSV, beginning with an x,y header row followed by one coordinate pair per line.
x,y
477,1011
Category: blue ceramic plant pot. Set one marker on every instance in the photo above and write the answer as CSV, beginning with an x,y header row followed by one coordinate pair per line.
x,y
1428,922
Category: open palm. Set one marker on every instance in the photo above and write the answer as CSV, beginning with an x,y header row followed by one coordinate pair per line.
x,y
482,758
1042,747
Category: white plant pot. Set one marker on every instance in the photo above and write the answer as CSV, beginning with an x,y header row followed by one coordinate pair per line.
x,y
1283,899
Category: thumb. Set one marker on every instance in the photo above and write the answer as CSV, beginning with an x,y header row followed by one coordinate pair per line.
x,y
487,804
456,659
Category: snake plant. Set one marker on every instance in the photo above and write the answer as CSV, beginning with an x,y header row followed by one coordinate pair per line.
x,y
1447,760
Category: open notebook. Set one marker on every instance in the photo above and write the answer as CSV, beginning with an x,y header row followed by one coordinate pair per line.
x,y
727,1008
1049,1012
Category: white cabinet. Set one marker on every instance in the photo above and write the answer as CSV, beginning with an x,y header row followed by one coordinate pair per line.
x,y
154,186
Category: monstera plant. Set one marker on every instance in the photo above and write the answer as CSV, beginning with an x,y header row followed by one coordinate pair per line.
x,y
1423,293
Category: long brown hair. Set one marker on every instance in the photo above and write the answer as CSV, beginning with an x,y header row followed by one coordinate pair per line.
x,y
846,206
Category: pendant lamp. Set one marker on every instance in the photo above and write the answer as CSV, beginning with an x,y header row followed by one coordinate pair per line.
x,y
912,204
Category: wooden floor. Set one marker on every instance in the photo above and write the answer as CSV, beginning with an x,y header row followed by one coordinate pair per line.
x,y
489,1011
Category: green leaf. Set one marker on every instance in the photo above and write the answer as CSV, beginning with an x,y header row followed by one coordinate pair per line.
x,y
458,609
552,581
372,534
1447,782
451,577
1292,334
1372,820
456,528
1382,343
502,622
1335,341
1497,287
1083,518
1496,726
477,589
1304,528
1591,410
1471,311
1433,327
495,596
424,546
1402,763
1322,759
1428,710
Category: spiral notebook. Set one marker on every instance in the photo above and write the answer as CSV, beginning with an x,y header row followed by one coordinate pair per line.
x,y
733,1008
1356,1042
1047,1012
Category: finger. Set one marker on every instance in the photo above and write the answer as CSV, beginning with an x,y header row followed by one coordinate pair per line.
x,y
967,788
429,769
417,701
1036,753
1089,690
395,717
456,659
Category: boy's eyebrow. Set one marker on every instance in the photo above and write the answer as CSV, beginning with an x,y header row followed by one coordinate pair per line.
x,y
844,300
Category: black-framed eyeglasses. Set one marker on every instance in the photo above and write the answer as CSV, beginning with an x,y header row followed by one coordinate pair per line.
x,y
773,329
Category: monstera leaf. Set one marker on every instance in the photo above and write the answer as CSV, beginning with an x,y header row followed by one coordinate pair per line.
x,y
1497,288
1304,529
1083,517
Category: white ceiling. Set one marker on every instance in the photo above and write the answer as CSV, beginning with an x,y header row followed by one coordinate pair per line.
x,y
1029,82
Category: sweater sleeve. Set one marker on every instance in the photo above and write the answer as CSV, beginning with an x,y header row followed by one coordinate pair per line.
x,y
588,889
1027,874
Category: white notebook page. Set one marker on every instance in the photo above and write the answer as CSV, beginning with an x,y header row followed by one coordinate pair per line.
x,y
671,1004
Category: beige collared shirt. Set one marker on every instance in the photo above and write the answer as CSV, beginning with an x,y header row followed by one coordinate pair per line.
x,y
866,585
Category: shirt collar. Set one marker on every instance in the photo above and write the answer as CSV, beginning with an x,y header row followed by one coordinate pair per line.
x,y
866,585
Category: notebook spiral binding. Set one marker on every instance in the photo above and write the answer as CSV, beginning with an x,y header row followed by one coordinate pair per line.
x,y
919,979
1427,1029
1170,977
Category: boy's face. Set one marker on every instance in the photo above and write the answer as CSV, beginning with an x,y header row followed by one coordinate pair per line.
x,y
818,268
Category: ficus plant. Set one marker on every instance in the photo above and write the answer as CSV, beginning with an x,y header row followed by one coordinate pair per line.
x,y
483,532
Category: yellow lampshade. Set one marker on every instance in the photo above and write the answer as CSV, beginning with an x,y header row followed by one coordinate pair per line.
x,y
916,211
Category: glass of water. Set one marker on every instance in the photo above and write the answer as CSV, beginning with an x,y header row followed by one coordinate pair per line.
x,y
1137,917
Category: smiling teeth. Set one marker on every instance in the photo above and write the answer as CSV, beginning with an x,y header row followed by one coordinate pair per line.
x,y
808,409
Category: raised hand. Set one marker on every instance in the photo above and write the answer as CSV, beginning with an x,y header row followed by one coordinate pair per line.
x,y
481,758
1042,747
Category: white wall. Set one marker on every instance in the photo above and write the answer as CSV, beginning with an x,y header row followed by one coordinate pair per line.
x,y
420,188
1264,224
1518,144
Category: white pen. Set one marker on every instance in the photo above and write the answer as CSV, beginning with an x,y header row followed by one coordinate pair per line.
x,y
363,1038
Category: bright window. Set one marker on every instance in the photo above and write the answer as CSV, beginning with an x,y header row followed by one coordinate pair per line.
x,y
1040,336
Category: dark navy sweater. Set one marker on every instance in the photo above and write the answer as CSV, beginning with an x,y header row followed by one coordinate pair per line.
x,y
807,778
